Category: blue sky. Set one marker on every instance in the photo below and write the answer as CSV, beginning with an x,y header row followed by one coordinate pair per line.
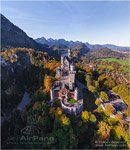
x,y
88,21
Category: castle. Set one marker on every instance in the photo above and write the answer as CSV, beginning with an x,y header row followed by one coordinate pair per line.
x,y
66,88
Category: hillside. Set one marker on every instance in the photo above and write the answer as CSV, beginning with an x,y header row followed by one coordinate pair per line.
x,y
106,52
81,47
13,36
21,68
118,48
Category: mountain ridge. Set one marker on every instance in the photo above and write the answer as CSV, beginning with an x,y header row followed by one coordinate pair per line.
x,y
12,37
71,43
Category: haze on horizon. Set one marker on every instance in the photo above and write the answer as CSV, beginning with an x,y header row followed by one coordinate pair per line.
x,y
96,22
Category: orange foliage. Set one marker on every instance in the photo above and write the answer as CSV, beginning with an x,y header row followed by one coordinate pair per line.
x,y
109,109
118,117
52,65
47,82
58,112
97,102
103,131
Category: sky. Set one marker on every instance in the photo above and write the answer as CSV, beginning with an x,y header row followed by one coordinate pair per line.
x,y
96,22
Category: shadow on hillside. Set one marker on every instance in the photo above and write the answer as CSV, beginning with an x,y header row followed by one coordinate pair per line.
x,y
89,100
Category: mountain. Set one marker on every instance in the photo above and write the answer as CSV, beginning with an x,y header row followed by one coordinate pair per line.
x,y
81,47
13,36
95,46
106,52
61,45
109,46
119,48
60,48
42,40
58,42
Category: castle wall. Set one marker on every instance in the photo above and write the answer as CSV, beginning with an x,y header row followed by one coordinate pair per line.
x,y
75,109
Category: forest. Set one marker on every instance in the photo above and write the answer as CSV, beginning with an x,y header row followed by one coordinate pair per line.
x,y
42,125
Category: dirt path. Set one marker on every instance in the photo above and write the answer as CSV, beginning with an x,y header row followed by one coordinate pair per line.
x,y
24,102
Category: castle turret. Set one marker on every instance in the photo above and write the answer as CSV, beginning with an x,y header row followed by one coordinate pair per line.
x,y
51,94
69,53
58,72
72,67
62,61
71,79
76,94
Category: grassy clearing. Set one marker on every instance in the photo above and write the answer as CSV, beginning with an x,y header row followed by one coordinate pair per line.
x,y
120,61
72,101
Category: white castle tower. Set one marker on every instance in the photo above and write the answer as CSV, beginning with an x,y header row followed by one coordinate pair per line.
x,y
72,73
72,67
62,61
69,53
58,72
51,94
76,94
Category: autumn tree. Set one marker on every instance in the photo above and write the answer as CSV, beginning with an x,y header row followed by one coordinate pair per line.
x,y
102,77
47,82
119,117
93,118
123,91
89,80
96,85
119,131
92,89
127,112
103,96
109,109
51,65
65,120
122,131
85,116
103,131
110,83
98,102
58,112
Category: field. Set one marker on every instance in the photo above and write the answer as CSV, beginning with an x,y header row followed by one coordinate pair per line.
x,y
120,61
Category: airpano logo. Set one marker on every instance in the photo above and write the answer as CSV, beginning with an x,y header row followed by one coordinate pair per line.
x,y
32,134
30,130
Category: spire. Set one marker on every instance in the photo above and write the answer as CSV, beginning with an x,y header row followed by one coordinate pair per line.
x,y
69,54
